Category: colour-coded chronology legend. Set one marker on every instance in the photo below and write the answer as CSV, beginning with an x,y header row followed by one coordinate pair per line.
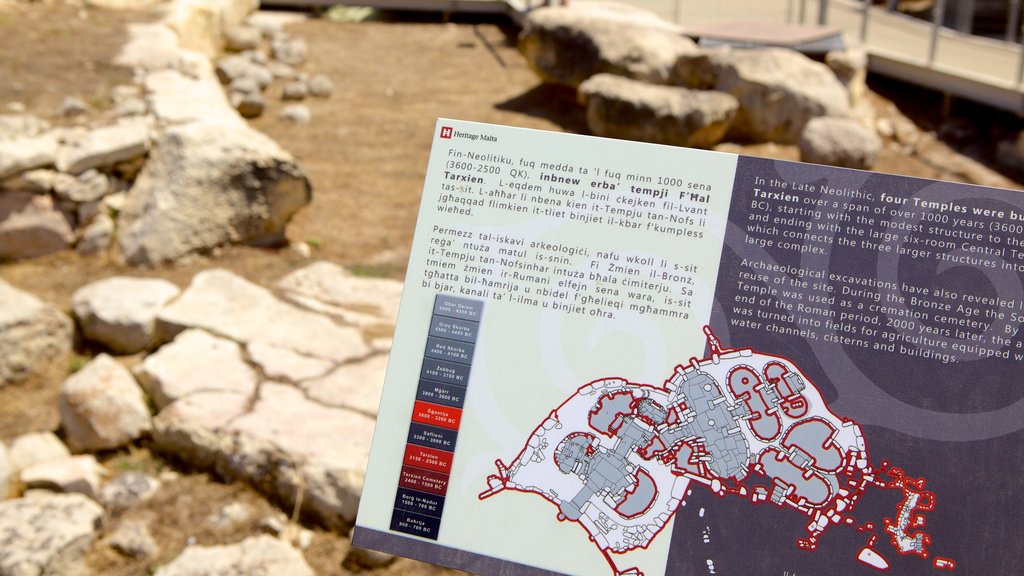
x,y
436,414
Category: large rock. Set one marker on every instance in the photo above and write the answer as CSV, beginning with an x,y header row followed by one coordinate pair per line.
x,y
328,288
851,68
357,386
177,98
207,185
839,142
22,154
283,444
779,91
254,555
183,367
15,126
120,312
618,107
31,226
77,474
105,146
32,334
200,24
102,407
44,534
230,306
568,44
36,448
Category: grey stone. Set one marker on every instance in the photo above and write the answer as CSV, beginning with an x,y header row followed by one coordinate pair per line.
x,y
291,51
256,57
261,75
619,107
779,91
230,516
229,185
126,490
230,68
281,70
36,545
102,407
26,153
228,305
32,334
244,85
296,114
249,104
294,90
36,448
183,367
31,226
96,236
568,44
255,555
88,186
839,142
320,86
120,312
103,147
72,107
240,38
134,540
39,181
74,474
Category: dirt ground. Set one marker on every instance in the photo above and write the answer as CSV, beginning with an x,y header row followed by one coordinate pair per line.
x,y
365,152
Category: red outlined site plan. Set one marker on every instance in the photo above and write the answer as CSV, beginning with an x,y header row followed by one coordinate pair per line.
x,y
619,458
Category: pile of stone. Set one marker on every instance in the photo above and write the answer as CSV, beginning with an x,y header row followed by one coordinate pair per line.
x,y
641,78
262,54
289,409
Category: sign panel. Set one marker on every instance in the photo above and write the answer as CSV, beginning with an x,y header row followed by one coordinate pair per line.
x,y
624,358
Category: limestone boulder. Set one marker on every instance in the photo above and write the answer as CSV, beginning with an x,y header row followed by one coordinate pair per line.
x,y
120,312
230,306
47,533
105,146
36,448
102,407
32,334
254,555
74,474
779,91
207,185
27,152
330,289
619,107
32,226
14,126
357,386
177,98
568,44
839,142
851,68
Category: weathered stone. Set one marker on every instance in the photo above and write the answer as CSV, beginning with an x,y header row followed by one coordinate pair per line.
x,y
839,142
357,386
233,67
88,186
249,104
152,46
106,146
281,70
15,126
256,56
255,555
178,99
183,367
31,226
779,91
244,85
261,75
230,516
568,44
5,471
97,235
72,107
226,183
32,334
133,539
102,407
241,38
39,181
74,474
36,448
282,444
37,545
618,107
851,68
296,114
229,305
343,294
294,90
320,86
25,153
291,51
120,312
201,24
284,364
127,489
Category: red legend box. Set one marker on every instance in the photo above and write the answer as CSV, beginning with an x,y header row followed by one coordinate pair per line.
x,y
423,480
437,415
422,457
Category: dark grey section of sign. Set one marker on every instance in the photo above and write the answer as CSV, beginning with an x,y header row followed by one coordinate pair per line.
x,y
416,524
443,555
451,350
455,307
432,436
441,393
419,502
454,329
442,371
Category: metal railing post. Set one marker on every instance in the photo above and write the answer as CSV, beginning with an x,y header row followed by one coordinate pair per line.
x,y
892,5
1013,22
938,15
803,11
965,16
864,21
822,12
